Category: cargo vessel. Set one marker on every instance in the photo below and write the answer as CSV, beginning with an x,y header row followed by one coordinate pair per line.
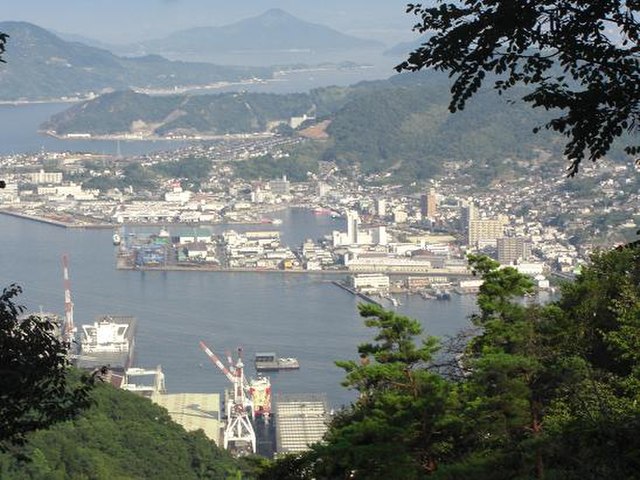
x,y
109,342
269,361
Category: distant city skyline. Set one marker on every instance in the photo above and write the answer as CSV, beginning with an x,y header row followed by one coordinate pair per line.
x,y
121,21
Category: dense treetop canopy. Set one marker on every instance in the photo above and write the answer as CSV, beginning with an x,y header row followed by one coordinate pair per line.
x,y
578,57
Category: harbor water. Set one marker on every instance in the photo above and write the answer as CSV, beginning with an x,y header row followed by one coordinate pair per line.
x,y
295,315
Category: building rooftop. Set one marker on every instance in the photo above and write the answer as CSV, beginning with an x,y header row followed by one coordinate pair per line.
x,y
194,411
301,420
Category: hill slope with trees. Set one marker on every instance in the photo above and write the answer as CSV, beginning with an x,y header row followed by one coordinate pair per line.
x,y
536,391
121,436
400,125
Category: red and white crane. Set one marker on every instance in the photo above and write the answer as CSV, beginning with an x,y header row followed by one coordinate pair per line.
x,y
239,432
69,330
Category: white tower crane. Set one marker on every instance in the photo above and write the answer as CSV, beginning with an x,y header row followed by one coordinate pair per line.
x,y
239,430
69,330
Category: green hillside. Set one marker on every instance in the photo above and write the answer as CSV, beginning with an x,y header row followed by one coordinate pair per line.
x,y
124,112
122,436
408,128
401,125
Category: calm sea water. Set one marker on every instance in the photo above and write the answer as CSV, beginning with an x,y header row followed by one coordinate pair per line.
x,y
304,316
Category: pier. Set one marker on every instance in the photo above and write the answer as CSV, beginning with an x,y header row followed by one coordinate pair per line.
x,y
357,294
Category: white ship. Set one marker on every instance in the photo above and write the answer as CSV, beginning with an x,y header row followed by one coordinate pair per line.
x,y
108,342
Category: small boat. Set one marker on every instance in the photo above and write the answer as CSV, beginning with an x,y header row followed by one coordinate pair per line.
x,y
443,295
116,239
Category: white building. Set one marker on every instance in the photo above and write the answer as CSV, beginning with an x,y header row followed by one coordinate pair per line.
x,y
370,282
177,195
380,263
400,216
380,207
42,177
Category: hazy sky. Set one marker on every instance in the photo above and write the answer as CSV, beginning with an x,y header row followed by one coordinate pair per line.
x,y
124,21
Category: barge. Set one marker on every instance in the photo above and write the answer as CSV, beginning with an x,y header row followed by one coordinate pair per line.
x,y
270,362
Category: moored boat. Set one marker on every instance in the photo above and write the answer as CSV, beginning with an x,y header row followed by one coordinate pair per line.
x,y
269,361
109,342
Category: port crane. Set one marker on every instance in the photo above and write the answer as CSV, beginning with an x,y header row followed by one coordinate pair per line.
x,y
69,330
239,431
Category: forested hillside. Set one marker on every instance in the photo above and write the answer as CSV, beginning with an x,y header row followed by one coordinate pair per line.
x,y
401,125
408,128
129,112
122,436
534,391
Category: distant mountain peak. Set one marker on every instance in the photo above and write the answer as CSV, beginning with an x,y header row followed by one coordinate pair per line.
x,y
274,17
273,30
275,12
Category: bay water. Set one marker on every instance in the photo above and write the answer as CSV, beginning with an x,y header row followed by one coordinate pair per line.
x,y
295,315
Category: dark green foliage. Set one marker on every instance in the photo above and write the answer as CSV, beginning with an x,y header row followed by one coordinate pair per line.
x,y
546,391
406,129
3,42
122,112
124,108
37,388
192,171
397,428
296,167
579,58
400,125
134,175
122,436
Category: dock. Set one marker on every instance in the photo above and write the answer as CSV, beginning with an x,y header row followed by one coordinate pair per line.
x,y
357,293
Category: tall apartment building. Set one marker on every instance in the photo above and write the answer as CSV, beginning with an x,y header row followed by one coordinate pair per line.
x,y
380,207
468,212
353,222
511,249
429,204
485,231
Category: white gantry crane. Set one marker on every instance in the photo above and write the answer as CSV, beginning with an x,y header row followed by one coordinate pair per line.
x,y
239,431
69,330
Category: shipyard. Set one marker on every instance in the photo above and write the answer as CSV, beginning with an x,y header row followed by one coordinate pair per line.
x,y
243,419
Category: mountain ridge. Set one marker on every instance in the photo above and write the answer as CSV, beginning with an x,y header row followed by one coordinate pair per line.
x,y
273,30
42,66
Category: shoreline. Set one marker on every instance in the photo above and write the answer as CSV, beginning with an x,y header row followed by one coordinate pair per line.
x,y
212,268
56,223
63,224
128,137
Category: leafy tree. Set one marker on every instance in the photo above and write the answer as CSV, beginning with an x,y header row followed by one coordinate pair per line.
x,y
397,428
37,388
124,436
579,57
192,171
549,391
